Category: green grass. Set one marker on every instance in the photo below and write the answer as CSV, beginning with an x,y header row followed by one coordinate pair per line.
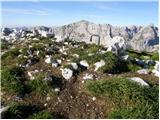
x,y
42,115
155,56
11,79
5,45
9,57
20,111
131,99
22,60
40,86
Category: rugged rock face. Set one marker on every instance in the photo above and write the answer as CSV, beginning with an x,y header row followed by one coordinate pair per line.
x,y
140,38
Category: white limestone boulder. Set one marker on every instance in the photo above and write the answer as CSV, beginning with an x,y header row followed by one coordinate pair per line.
x,y
74,65
48,59
67,73
84,63
139,81
116,44
99,65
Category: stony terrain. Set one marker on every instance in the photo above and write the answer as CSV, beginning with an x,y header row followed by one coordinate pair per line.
x,y
44,75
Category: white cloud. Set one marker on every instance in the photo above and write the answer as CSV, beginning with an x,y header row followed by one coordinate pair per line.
x,y
25,11
108,6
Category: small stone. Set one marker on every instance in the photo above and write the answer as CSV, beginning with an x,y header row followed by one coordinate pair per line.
x,y
87,104
59,99
75,55
67,73
84,63
143,71
55,64
48,98
59,61
88,76
45,104
93,98
56,89
82,81
48,60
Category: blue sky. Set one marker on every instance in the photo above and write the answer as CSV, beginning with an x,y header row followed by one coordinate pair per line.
x,y
60,13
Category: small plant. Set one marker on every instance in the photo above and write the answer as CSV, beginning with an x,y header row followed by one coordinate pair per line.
x,y
42,115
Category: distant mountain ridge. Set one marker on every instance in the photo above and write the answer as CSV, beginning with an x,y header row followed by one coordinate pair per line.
x,y
140,38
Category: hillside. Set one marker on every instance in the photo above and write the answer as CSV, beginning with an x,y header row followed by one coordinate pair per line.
x,y
52,73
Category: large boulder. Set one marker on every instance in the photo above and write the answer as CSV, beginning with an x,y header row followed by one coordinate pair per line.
x,y
139,81
99,65
117,45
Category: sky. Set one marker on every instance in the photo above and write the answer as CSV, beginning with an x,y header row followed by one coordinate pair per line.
x,y
51,13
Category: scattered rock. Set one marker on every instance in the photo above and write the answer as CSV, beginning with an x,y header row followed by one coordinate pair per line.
x,y
3,109
59,61
139,80
74,66
48,98
75,55
84,63
45,104
140,62
99,65
156,69
57,89
55,64
93,98
88,77
125,57
150,62
67,73
48,60
30,75
143,71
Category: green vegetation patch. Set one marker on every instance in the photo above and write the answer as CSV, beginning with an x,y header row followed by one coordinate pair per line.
x,y
42,115
12,79
131,99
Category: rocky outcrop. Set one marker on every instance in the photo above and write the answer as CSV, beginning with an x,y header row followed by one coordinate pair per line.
x,y
140,38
